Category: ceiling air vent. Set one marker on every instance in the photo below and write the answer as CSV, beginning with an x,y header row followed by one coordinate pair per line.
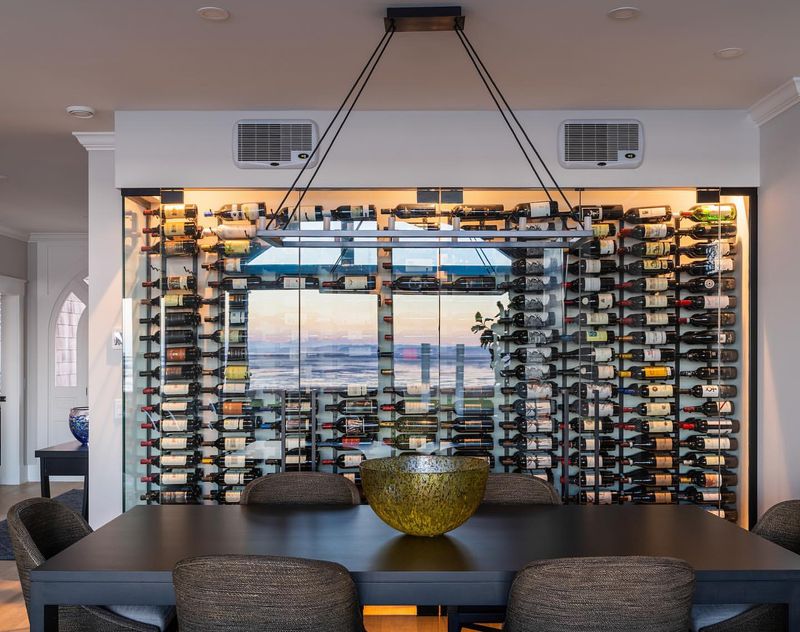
x,y
600,144
273,144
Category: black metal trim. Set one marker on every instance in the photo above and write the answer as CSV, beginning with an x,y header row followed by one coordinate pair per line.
x,y
423,19
140,191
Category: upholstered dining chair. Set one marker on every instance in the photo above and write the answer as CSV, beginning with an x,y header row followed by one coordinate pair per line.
x,y
257,593
503,489
602,594
39,529
300,488
779,524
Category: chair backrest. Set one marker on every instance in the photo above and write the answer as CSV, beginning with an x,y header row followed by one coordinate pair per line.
x,y
781,524
300,488
255,593
519,489
602,594
39,528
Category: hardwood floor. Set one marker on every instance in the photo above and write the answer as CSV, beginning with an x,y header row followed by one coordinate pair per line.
x,y
13,617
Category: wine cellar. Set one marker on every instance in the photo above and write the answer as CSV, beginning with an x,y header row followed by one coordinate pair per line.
x,y
602,344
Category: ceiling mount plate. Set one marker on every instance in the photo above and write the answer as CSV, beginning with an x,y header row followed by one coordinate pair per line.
x,y
424,19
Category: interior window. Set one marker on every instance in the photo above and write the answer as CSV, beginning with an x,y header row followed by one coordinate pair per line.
x,y
66,342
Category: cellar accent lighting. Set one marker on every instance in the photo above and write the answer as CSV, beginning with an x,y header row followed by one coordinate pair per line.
x,y
80,111
729,53
213,14
624,13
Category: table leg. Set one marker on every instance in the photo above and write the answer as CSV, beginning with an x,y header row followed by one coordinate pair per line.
x,y
453,624
42,618
85,509
794,610
44,477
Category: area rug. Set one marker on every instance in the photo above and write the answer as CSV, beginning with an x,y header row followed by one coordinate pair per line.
x,y
72,499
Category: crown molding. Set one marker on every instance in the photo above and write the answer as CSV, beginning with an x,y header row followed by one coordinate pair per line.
x,y
13,233
56,236
95,141
776,102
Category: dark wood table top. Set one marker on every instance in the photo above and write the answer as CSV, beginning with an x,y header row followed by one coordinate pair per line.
x,y
70,449
145,543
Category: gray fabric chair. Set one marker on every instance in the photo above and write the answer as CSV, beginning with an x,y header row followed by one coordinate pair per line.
x,y
602,594
503,489
300,488
519,489
254,593
39,529
779,524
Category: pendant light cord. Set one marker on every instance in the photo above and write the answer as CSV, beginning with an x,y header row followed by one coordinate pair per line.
x,y
379,49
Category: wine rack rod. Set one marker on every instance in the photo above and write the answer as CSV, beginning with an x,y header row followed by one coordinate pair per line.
x,y
434,234
443,245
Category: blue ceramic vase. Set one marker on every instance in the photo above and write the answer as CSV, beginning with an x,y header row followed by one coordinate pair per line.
x,y
79,423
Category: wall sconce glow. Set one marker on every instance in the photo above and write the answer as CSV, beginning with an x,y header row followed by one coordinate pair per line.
x,y
214,14
624,13
729,53
80,111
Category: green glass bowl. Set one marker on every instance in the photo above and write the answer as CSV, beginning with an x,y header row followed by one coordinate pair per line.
x,y
424,495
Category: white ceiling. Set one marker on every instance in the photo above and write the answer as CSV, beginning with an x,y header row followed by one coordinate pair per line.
x,y
151,54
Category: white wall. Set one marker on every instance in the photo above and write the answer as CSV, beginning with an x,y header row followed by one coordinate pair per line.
x,y
12,429
779,305
411,149
55,262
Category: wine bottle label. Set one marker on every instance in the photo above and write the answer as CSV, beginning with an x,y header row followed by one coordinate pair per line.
x,y
304,406
356,282
711,479
537,371
536,304
233,423
235,460
716,302
237,231
590,460
232,265
605,300
235,443
174,389
357,390
309,213
351,460
177,283
655,265
597,318
172,300
662,443
174,229
657,248
237,335
655,426
656,301
237,317
603,498
662,480
416,408
542,354
233,496
713,459
238,283
534,266
295,459
709,496
724,407
655,337
172,478
174,443
656,318
660,390
294,283
591,284
658,284
539,209
603,354
536,283
534,321
655,231
170,211
651,355
592,266
604,409
233,478
652,213
174,354
587,424
232,408
534,408
173,460
662,498
418,388
604,391
174,407
604,371
173,424
539,391
416,443
607,246
709,390
663,461
236,372
538,461
716,443
597,335
657,409
589,479
353,426
539,443
719,264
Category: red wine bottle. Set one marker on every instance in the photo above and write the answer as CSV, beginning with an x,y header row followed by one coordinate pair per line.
x,y
172,248
648,231
176,282
648,215
712,409
172,211
351,283
711,390
597,212
708,301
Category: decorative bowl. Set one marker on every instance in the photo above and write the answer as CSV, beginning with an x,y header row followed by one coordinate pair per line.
x,y
424,495
79,423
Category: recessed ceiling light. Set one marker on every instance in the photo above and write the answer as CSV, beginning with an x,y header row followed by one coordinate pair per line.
x,y
80,111
215,14
624,13
729,53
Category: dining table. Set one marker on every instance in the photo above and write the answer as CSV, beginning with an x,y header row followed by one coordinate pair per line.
x,y
130,559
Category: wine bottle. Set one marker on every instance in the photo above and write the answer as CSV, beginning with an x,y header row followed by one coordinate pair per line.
x,y
408,407
593,266
588,460
711,425
537,320
533,371
241,229
707,301
529,443
593,371
525,425
590,444
530,284
603,497
413,425
649,284
591,284
175,354
710,231
174,319
649,249
650,478
657,443
354,407
652,426
712,409
649,301
480,211
654,354
599,301
604,230
703,478
723,337
535,266
531,355
531,337
230,444
598,354
711,390
172,478
587,424
652,409
188,442
712,319
707,213
235,317
650,391
649,372
227,496
531,303
537,210
702,443
232,477
709,266
353,212
712,373
172,248
225,264
644,267
231,461
232,247
229,300
591,336
476,454
235,424
174,389
709,249
237,408
591,408
410,442
653,337
173,373
414,283
651,497
353,426
351,283
175,299
710,496
228,389
530,408
244,210
595,248
411,211
648,215
657,460
230,372
594,319
237,283
175,228
470,425
600,478
346,460
173,497
597,212
170,337
529,461
234,336
715,459
173,424
164,461
174,282
648,231
172,211
532,390
231,354
590,390
650,319
479,441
